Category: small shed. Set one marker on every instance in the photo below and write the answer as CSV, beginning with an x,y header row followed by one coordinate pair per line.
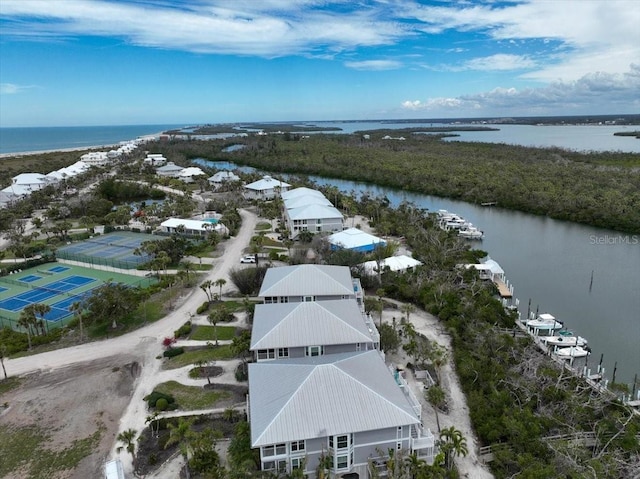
x,y
356,240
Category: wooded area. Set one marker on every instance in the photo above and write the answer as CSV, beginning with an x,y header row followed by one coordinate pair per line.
x,y
599,189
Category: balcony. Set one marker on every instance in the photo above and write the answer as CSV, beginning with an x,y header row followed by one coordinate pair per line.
x,y
404,385
423,443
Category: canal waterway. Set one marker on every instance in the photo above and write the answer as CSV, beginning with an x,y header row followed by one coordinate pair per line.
x,y
551,262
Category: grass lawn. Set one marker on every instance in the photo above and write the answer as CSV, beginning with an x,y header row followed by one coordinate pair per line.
x,y
8,384
193,356
191,397
24,450
262,226
206,333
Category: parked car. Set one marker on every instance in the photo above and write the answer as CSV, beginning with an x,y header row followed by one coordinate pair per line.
x,y
249,258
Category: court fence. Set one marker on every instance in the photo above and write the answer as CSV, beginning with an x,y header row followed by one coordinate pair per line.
x,y
95,260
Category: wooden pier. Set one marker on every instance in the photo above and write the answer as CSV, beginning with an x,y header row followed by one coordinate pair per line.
x,y
503,289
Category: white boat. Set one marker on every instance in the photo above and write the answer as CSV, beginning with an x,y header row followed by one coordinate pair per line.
x,y
544,322
471,232
564,340
571,352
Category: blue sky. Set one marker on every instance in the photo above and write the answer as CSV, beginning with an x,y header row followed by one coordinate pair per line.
x,y
108,62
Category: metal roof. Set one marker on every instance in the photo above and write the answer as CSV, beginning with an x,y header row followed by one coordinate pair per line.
x,y
395,263
313,212
302,191
354,238
307,398
267,183
305,200
307,280
310,323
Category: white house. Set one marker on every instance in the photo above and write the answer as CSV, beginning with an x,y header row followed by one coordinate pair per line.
x,y
170,169
302,191
393,263
30,181
188,175
7,198
193,227
309,282
222,177
265,189
313,328
355,240
155,159
96,158
348,406
316,218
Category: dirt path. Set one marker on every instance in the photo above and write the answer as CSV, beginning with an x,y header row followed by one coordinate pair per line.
x,y
144,344
458,415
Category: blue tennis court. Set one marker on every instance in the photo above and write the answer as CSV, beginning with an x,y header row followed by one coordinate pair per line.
x,y
45,292
31,278
59,269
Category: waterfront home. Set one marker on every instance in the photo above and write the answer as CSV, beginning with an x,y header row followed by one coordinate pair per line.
x,y
96,158
155,160
190,174
222,177
297,330
346,406
28,182
316,218
265,189
302,191
192,227
355,240
170,169
392,263
309,282
7,198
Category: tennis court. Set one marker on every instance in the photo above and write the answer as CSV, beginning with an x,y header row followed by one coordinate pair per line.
x,y
112,249
55,285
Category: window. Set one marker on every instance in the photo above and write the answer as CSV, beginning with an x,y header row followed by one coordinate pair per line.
x,y
283,353
297,446
264,354
284,299
358,347
297,463
315,351
342,462
309,298
342,442
280,466
275,450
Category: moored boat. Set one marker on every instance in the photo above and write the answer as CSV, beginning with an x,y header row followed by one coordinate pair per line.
x,y
572,352
543,322
564,340
471,232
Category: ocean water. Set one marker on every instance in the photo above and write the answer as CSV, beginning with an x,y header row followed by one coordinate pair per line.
x,y
15,140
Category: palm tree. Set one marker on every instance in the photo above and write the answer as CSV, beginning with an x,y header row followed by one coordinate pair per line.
x,y
41,309
150,420
180,434
415,464
186,266
220,282
215,316
76,308
206,287
453,443
128,439
407,309
436,397
26,321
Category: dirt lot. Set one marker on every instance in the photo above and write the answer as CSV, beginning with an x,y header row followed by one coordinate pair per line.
x,y
68,417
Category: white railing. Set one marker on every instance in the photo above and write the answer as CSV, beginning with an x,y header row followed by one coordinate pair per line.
x,y
404,385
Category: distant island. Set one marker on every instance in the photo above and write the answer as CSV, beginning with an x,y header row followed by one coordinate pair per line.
x,y
628,133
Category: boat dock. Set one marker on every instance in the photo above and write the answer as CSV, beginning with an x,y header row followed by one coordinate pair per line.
x,y
503,289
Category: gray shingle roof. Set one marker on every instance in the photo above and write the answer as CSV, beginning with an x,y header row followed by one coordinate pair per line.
x,y
307,398
307,324
307,279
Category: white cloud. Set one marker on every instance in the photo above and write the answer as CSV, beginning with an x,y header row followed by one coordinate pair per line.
x,y
500,62
613,92
272,28
374,65
12,88
594,34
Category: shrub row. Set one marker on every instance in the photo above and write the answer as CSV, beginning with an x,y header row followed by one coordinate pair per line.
x,y
172,352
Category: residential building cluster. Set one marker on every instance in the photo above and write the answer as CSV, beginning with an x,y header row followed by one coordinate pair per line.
x,y
320,392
